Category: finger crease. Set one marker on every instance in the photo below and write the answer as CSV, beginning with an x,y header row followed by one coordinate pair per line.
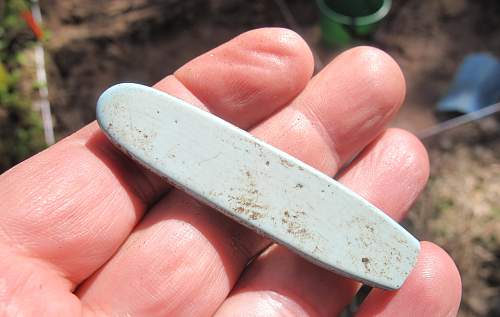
x,y
319,125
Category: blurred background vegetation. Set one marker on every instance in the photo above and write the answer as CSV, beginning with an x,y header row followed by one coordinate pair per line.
x,y
21,131
94,44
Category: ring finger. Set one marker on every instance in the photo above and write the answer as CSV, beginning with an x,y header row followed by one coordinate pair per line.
x,y
389,173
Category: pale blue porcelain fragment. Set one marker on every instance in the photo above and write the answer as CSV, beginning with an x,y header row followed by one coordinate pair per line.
x,y
258,185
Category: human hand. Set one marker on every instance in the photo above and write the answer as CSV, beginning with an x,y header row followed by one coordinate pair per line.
x,y
85,230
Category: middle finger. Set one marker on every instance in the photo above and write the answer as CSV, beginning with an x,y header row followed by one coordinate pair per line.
x,y
185,253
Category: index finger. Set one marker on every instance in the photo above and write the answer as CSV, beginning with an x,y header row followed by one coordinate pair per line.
x,y
73,204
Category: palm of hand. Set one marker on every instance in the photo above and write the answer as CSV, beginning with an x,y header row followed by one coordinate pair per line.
x,y
85,230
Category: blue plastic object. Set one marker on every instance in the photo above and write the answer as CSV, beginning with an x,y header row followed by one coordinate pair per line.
x,y
475,86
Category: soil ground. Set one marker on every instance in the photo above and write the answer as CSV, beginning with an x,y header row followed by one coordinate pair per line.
x,y
95,44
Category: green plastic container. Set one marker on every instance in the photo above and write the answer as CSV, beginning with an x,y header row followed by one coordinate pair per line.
x,y
341,20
